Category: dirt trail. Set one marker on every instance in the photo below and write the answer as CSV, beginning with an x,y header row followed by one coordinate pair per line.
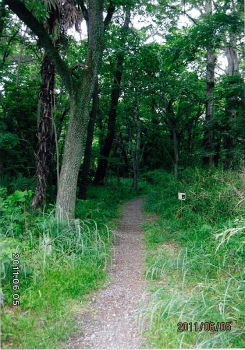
x,y
109,322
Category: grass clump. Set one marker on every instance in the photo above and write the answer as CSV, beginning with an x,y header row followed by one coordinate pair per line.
x,y
64,261
60,262
196,259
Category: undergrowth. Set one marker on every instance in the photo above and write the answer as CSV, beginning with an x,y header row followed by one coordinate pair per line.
x,y
59,263
196,259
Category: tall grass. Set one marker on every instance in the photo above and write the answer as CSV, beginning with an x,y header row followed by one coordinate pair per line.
x,y
64,261
60,262
196,259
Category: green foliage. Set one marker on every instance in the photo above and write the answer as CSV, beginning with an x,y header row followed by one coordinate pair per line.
x,y
60,262
102,202
63,261
18,134
196,255
13,212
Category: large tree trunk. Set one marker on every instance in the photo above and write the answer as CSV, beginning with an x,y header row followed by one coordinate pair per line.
x,y
44,131
66,197
45,128
83,177
107,146
208,134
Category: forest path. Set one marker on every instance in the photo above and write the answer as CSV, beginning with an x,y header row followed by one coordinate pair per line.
x,y
109,321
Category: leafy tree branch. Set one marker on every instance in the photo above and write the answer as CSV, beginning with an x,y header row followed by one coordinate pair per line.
x,y
19,8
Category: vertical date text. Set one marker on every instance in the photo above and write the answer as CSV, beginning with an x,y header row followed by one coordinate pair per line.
x,y
16,280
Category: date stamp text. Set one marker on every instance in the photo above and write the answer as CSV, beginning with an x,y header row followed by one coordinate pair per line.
x,y
16,280
204,326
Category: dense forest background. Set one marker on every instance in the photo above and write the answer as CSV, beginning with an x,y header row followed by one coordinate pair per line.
x,y
101,101
171,103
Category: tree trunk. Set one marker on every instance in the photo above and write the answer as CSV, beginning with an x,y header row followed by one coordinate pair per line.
x,y
107,146
17,74
208,134
44,131
172,122
124,153
231,103
2,16
232,56
83,177
136,159
45,128
176,154
66,197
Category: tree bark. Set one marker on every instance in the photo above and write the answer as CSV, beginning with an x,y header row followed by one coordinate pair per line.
x,y
232,56
44,131
107,146
83,177
66,197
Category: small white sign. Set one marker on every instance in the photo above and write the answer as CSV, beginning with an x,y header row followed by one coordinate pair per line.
x,y
182,196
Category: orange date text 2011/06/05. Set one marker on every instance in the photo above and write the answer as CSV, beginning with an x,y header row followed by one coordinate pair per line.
x,y
204,326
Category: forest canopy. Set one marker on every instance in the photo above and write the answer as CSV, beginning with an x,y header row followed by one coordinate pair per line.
x,y
116,100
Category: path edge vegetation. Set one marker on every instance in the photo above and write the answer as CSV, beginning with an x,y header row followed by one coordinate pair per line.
x,y
195,258
61,262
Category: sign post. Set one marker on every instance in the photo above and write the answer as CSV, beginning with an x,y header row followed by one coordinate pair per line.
x,y
181,197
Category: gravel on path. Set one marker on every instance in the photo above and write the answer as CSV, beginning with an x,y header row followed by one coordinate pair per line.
x,y
110,319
